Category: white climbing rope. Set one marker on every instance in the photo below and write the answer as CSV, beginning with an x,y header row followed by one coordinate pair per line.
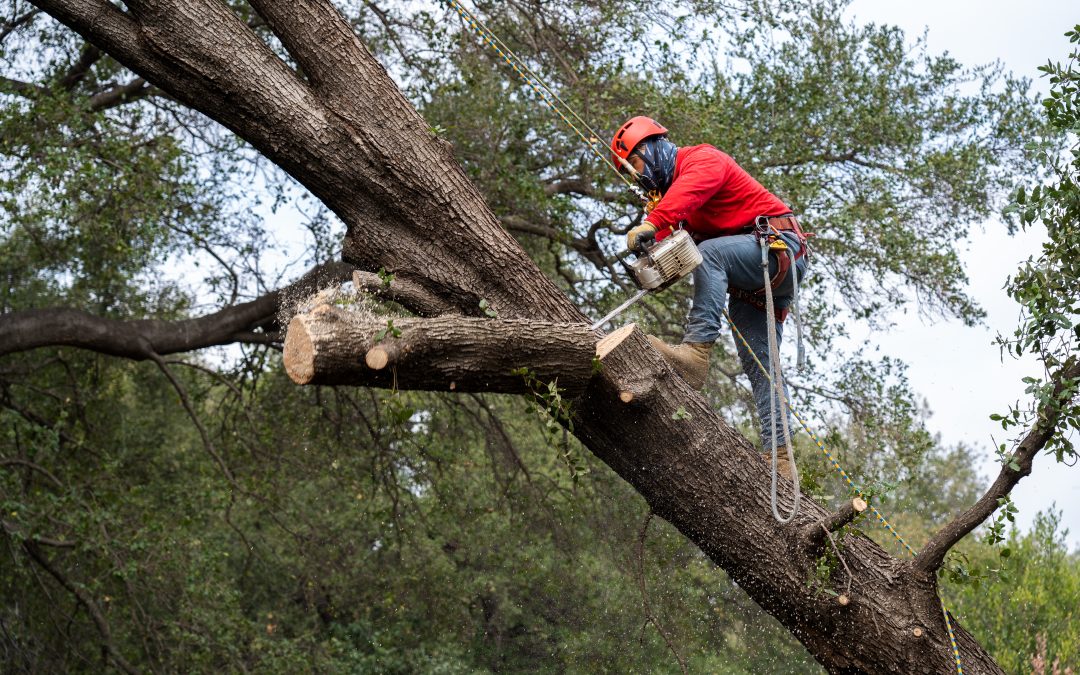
x,y
777,400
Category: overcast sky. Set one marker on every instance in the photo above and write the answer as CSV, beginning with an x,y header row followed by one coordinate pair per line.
x,y
957,369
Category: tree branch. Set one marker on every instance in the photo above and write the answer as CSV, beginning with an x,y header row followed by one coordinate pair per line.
x,y
932,555
120,94
578,186
9,27
84,598
208,444
16,461
649,616
89,55
334,346
850,157
410,295
20,88
13,528
100,22
816,533
141,339
585,246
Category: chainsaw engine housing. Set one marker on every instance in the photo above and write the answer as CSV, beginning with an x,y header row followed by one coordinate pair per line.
x,y
666,262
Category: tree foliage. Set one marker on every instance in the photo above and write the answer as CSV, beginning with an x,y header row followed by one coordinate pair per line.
x,y
1045,286
204,514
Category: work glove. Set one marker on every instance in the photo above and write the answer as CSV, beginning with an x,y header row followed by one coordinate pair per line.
x,y
639,236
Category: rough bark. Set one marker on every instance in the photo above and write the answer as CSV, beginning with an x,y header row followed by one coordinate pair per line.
x,y
412,297
350,137
337,346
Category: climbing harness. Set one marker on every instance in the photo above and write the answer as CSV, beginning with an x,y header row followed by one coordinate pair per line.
x,y
592,140
769,229
846,477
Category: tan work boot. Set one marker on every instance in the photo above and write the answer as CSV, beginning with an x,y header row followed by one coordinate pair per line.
x,y
689,359
783,466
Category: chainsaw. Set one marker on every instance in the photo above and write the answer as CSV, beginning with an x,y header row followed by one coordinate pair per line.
x,y
657,267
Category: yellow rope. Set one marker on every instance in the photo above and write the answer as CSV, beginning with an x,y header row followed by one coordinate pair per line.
x,y
546,94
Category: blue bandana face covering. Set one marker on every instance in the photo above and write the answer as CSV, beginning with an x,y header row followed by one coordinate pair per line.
x,y
659,156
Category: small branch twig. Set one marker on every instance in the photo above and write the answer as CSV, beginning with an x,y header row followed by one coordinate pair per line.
x,y
8,27
15,461
649,616
182,393
12,528
84,599
212,451
410,295
833,522
847,591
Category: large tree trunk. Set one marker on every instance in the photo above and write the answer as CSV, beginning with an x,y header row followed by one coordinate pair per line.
x,y
348,134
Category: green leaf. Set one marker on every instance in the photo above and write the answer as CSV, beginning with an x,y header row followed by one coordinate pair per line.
x,y
681,414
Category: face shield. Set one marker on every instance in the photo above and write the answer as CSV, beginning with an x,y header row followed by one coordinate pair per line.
x,y
658,155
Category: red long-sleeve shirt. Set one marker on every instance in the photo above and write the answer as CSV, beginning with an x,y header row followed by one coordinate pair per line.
x,y
713,194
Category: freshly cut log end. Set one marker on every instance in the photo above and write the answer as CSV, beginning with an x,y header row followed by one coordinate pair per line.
x,y
610,342
376,358
858,504
299,352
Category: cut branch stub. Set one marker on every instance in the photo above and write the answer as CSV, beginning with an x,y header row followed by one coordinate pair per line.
x,y
334,346
816,533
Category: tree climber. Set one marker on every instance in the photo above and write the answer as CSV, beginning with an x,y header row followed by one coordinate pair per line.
x,y
726,212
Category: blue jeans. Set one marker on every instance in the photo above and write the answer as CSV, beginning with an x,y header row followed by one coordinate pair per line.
x,y
735,261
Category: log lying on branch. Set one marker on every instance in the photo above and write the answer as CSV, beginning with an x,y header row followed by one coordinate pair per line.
x,y
331,345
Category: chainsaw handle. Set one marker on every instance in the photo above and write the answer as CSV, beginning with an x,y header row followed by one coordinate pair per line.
x,y
644,244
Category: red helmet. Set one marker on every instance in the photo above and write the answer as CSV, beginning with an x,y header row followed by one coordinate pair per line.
x,y
630,134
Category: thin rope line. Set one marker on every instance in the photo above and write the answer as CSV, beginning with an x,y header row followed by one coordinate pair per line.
x,y
853,487
544,92
777,406
538,85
